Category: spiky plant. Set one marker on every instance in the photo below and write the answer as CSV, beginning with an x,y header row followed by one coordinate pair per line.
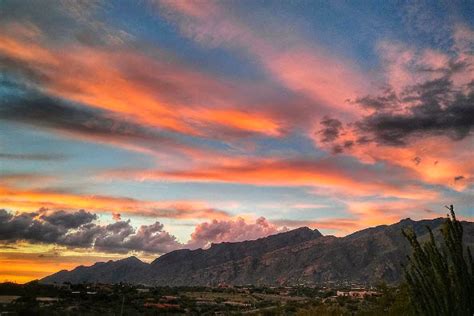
x,y
440,278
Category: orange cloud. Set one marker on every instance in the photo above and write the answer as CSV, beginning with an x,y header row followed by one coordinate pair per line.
x,y
250,122
17,44
437,165
30,200
370,214
332,80
158,92
430,160
355,179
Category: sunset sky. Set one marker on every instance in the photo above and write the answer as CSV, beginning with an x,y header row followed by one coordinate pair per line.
x,y
140,127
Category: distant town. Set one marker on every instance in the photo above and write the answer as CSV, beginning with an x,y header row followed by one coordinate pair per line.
x,y
124,299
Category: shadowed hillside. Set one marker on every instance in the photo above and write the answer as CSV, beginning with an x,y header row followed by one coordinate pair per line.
x,y
298,256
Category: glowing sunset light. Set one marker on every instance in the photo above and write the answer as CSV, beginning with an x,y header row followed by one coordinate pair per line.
x,y
139,128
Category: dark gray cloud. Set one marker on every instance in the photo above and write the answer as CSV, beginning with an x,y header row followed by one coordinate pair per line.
x,y
72,120
337,149
78,230
330,133
81,237
340,147
25,226
48,112
120,237
69,220
13,70
331,129
388,99
435,107
348,144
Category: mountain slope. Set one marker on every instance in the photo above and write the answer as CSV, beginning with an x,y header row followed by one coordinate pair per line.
x,y
189,266
128,270
298,256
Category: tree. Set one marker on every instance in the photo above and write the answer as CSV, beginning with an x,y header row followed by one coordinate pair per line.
x,y
440,278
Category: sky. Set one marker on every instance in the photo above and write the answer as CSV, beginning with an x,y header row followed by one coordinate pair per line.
x,y
141,127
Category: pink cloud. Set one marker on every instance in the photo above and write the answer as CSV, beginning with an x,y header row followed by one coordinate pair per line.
x,y
327,79
116,216
157,92
338,174
440,155
405,65
218,231
30,199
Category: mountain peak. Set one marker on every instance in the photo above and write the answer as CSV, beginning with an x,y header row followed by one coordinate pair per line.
x,y
307,229
289,257
131,259
303,231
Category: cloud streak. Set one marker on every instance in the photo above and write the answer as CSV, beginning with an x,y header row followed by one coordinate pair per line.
x,y
157,92
31,199
299,66
341,173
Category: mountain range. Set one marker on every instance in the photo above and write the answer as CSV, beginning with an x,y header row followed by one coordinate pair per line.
x,y
298,256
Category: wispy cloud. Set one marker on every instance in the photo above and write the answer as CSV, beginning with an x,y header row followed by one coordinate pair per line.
x,y
302,67
31,199
338,173
33,157
157,92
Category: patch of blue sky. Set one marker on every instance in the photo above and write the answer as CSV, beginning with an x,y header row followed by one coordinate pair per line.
x,y
462,200
201,142
272,201
79,156
354,28
293,144
342,28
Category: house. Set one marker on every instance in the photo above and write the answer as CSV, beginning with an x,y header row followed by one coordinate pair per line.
x,y
237,304
356,293
143,290
168,299
162,306
45,299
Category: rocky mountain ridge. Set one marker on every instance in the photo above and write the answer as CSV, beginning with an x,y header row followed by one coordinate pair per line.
x,y
298,256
